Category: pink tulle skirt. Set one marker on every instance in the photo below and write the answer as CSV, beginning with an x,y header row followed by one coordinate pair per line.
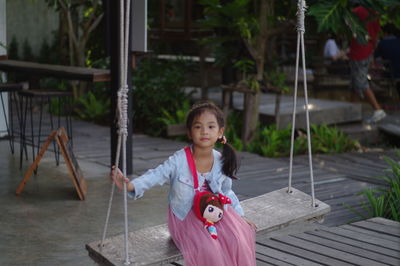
x,y
235,244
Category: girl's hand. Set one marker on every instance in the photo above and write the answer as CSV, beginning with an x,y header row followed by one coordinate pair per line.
x,y
253,225
119,179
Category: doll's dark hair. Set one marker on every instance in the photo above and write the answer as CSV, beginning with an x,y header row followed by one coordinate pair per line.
x,y
229,158
204,202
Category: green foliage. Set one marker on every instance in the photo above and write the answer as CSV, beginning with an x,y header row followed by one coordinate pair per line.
x,y
232,129
178,117
245,66
336,15
27,54
12,51
385,202
45,53
82,17
93,108
328,140
223,19
271,142
277,79
159,89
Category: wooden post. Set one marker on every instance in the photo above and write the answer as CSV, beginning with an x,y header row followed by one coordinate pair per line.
x,y
250,116
203,73
226,103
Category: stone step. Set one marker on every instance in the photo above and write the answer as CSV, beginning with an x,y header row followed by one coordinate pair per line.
x,y
321,111
390,128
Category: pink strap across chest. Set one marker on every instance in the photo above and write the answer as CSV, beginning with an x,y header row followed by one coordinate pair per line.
x,y
192,166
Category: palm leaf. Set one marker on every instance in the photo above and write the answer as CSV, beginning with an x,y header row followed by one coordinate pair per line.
x,y
336,16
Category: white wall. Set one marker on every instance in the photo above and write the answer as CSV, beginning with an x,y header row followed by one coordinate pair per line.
x,y
2,26
3,41
30,20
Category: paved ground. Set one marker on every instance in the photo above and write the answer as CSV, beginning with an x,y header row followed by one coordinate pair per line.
x,y
48,225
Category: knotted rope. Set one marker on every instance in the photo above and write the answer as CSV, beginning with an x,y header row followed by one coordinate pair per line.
x,y
301,8
122,113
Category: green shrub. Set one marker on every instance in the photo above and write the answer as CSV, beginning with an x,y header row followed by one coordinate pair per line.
x,y
325,139
27,54
385,202
271,142
178,117
93,108
232,130
158,89
12,51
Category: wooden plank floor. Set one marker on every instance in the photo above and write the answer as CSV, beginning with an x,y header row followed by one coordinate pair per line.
x,y
374,241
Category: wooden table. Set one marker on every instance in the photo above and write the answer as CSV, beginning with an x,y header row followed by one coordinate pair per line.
x,y
35,71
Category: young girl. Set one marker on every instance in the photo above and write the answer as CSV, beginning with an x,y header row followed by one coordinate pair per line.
x,y
236,236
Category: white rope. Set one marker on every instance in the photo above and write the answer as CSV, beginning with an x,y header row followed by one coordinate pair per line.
x,y
122,112
301,7
294,113
111,197
123,105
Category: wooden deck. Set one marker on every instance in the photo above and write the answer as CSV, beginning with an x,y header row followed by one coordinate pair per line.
x,y
374,241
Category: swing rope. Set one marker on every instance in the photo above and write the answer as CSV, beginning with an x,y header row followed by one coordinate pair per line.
x,y
122,113
301,8
122,108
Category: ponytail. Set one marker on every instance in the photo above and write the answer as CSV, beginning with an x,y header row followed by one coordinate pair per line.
x,y
229,161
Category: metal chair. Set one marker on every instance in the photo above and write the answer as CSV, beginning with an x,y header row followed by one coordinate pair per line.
x,y
42,98
12,89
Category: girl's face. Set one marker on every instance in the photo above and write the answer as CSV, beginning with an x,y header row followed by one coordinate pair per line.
x,y
205,130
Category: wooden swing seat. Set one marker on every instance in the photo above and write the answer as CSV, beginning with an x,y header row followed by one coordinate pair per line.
x,y
154,246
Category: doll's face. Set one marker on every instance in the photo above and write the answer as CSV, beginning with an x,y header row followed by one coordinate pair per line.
x,y
212,213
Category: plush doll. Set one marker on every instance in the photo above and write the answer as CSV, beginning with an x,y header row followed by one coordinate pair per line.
x,y
209,208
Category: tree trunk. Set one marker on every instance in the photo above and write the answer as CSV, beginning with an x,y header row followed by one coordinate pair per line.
x,y
252,100
278,98
80,61
250,117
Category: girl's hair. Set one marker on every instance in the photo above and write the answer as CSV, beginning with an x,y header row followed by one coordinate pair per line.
x,y
229,159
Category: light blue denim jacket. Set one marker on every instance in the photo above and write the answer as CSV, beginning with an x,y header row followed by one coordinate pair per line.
x,y
176,171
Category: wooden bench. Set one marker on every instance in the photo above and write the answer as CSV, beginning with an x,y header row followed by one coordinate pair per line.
x,y
154,246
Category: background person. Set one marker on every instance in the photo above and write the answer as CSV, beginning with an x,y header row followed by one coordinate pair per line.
x,y
360,57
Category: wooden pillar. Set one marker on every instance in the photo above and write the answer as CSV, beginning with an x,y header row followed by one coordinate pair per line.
x,y
203,73
113,15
